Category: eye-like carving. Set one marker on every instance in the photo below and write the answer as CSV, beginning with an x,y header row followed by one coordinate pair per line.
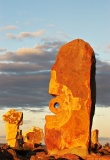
x,y
55,105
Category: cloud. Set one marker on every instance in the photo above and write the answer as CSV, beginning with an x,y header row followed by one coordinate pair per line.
x,y
104,140
10,27
3,49
23,35
24,90
34,110
20,67
103,83
42,54
25,74
50,46
27,51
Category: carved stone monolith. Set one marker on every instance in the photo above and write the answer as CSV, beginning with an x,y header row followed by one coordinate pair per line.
x,y
94,136
13,120
72,83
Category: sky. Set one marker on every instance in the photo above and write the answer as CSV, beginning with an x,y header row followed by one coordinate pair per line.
x,y
31,33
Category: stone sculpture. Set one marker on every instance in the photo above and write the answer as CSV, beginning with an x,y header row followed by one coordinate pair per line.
x,y
94,136
13,120
72,83
33,136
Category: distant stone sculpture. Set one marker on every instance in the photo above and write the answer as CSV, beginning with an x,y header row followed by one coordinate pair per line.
x,y
72,84
13,120
94,136
33,136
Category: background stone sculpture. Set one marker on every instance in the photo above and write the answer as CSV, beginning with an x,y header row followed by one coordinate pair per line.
x,y
72,84
94,136
13,119
33,136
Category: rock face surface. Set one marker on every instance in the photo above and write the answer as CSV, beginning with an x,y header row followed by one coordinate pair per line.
x,y
72,83
32,136
94,136
13,119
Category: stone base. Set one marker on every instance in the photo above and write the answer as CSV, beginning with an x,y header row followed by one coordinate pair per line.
x,y
80,151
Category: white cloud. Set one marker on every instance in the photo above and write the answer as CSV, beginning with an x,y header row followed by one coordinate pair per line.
x,y
23,35
10,27
26,51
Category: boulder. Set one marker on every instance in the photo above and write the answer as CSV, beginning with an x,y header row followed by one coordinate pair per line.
x,y
33,136
72,83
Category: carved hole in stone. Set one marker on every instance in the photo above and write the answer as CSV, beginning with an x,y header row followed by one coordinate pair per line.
x,y
56,105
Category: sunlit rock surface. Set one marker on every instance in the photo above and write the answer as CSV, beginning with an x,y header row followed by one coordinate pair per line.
x,y
94,136
32,136
13,119
72,83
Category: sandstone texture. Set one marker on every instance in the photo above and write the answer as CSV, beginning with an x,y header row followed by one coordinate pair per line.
x,y
40,153
33,136
72,83
94,136
13,119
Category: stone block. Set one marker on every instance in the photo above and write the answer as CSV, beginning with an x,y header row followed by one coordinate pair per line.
x,y
33,135
72,84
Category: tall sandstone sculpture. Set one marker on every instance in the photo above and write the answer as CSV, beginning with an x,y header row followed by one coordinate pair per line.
x,y
13,120
94,136
72,83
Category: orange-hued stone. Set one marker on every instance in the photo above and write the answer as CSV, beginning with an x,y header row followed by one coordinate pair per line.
x,y
13,119
72,83
94,136
33,135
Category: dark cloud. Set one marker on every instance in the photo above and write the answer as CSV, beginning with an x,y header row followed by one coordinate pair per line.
x,y
103,83
20,67
28,90
104,140
25,74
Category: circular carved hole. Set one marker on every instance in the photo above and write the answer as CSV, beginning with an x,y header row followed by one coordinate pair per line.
x,y
56,105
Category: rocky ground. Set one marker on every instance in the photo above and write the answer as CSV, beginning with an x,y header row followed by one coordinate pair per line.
x,y
39,152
